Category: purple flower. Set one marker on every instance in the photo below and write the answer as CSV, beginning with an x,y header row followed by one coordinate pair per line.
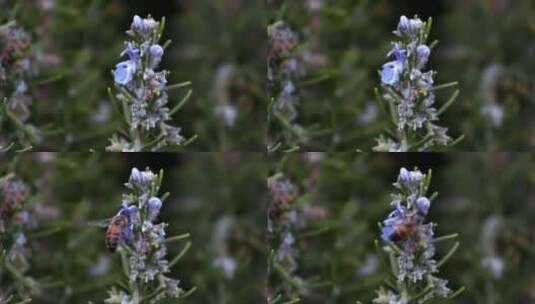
x,y
131,51
130,212
143,27
154,207
415,25
422,55
387,233
399,53
141,179
409,27
423,204
395,218
391,72
124,72
404,176
156,53
404,24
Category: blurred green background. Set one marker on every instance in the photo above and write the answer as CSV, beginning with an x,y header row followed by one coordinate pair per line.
x,y
488,199
487,46
213,196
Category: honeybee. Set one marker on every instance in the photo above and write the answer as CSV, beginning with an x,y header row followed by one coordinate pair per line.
x,y
404,229
117,229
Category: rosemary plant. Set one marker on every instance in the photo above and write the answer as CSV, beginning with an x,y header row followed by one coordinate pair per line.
x,y
409,92
409,243
18,68
283,70
287,221
142,245
143,93
16,286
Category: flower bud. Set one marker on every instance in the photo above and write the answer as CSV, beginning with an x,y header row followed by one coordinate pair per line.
x,y
423,204
404,176
141,179
422,55
143,27
156,53
154,207
404,24
416,176
409,27
135,176
415,25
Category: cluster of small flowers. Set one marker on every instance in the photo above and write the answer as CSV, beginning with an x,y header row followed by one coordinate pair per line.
x,y
410,91
15,221
17,68
144,91
413,239
283,69
144,243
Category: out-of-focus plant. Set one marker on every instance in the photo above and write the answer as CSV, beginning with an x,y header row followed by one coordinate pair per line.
x,y
222,51
409,92
143,93
410,245
283,73
16,221
283,222
141,243
495,54
18,68
289,214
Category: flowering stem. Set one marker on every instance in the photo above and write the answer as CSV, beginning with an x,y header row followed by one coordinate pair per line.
x,y
143,92
409,91
410,245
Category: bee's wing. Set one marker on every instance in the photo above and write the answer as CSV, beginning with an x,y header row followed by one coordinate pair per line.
x,y
100,223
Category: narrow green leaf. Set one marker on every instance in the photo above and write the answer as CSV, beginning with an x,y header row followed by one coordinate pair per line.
x,y
445,85
456,141
179,85
180,254
445,237
181,103
448,255
176,238
448,103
